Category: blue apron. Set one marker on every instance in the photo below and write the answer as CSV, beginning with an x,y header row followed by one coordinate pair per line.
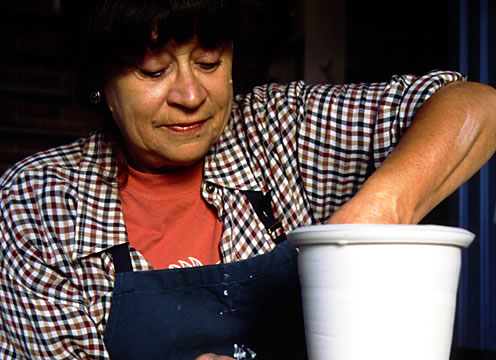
x,y
183,313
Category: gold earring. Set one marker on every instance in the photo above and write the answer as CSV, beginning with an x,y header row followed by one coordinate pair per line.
x,y
95,97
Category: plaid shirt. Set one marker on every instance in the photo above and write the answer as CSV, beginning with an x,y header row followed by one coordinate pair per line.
x,y
311,147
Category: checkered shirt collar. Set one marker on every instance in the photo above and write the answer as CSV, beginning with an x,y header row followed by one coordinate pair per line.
x,y
98,198
226,165
223,166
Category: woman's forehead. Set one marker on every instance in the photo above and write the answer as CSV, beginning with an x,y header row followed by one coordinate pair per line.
x,y
191,47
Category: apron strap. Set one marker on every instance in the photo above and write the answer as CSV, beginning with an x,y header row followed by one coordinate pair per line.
x,y
262,206
121,258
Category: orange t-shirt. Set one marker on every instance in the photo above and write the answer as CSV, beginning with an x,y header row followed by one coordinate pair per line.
x,y
167,219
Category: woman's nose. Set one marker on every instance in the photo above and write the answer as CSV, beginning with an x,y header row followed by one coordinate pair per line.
x,y
186,90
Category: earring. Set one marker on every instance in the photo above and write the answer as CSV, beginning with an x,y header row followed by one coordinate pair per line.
x,y
95,97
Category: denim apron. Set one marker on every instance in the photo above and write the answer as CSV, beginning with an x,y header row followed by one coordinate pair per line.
x,y
183,313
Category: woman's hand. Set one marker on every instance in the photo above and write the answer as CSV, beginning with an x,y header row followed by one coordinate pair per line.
x,y
367,208
210,356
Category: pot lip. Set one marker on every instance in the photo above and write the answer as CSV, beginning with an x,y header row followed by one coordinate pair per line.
x,y
356,234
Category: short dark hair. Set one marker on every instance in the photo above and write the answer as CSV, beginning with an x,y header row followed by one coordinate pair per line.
x,y
116,28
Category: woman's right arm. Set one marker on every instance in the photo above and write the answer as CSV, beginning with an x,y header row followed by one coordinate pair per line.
x,y
48,307
37,326
41,313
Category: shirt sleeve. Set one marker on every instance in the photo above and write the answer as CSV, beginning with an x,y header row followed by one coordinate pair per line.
x,y
346,132
45,313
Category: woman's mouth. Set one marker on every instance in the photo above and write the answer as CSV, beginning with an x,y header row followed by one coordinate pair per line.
x,y
186,129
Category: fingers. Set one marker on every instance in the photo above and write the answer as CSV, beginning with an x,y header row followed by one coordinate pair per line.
x,y
211,356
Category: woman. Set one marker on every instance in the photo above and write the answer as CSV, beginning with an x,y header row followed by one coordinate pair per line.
x,y
97,236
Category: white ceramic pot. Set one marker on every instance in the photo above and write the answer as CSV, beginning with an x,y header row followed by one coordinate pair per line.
x,y
379,292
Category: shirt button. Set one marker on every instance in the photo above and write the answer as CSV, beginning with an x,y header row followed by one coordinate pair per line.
x,y
210,188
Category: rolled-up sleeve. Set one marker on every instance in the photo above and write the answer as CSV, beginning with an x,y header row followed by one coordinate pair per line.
x,y
347,131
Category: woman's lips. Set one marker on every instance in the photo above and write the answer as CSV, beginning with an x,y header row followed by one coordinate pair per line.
x,y
186,128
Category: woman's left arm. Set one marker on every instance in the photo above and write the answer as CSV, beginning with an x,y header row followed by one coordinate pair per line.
x,y
452,136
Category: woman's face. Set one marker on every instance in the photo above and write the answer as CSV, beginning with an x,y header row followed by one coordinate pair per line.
x,y
172,104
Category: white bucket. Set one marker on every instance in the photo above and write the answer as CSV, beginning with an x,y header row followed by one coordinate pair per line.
x,y
379,292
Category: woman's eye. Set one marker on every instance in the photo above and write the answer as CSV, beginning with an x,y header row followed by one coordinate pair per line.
x,y
209,65
152,74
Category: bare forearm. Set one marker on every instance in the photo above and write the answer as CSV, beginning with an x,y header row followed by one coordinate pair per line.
x,y
452,136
